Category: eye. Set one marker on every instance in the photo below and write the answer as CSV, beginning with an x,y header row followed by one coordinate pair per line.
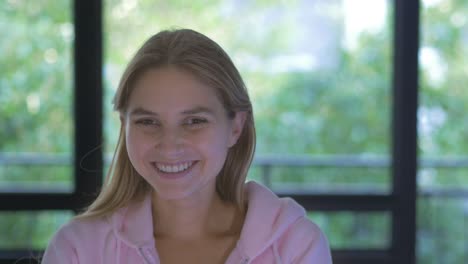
x,y
195,122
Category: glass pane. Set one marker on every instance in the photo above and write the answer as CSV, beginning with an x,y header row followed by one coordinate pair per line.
x,y
326,180
443,130
444,74
446,179
30,230
35,93
53,178
442,230
351,230
318,72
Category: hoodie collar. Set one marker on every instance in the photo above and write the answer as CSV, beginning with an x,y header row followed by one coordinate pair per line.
x,y
134,223
266,220
268,217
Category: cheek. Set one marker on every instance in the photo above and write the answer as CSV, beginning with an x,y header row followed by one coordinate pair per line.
x,y
137,146
215,144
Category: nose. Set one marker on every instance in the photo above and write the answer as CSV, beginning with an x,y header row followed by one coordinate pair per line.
x,y
170,144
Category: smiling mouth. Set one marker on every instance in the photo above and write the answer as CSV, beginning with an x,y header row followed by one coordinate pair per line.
x,y
173,168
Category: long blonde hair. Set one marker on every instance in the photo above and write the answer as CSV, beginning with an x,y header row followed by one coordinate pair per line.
x,y
205,59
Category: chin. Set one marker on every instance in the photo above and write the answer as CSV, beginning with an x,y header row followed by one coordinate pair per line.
x,y
180,192
172,194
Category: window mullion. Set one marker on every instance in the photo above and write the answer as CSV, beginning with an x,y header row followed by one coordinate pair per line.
x,y
404,156
88,93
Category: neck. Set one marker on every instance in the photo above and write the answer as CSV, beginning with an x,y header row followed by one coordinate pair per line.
x,y
195,217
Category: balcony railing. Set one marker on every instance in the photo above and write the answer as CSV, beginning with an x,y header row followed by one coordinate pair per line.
x,y
268,162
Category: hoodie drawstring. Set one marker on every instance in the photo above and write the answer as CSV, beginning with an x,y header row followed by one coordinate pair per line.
x,y
143,255
119,250
276,254
245,260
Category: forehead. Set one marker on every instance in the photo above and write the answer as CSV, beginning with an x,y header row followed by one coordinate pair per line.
x,y
172,89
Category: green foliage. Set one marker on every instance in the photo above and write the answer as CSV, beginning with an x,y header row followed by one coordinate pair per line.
x,y
35,87
35,107
27,230
361,230
444,30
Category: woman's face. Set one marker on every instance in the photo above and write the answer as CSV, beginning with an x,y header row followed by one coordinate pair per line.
x,y
178,133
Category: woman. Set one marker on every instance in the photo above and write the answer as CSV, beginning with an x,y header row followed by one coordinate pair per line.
x,y
176,190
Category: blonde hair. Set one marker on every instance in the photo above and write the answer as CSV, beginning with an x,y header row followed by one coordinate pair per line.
x,y
195,53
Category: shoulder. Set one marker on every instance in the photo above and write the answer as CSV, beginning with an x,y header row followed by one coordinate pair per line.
x,y
304,230
283,224
83,229
304,242
78,235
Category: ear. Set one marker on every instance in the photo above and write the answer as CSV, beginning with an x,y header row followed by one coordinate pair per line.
x,y
237,127
122,117
122,120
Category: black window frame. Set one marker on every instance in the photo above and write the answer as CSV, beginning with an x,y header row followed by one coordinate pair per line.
x,y
88,119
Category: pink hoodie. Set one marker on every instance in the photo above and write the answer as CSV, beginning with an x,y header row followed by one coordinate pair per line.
x,y
275,230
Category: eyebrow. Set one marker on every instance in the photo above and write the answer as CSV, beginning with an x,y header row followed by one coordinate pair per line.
x,y
196,110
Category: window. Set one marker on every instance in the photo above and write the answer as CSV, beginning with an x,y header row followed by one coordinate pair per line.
x,y
442,176
36,128
343,91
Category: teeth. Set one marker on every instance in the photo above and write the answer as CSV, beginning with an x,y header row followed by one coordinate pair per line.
x,y
174,168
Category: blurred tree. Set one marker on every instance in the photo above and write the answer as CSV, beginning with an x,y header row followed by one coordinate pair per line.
x,y
35,105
